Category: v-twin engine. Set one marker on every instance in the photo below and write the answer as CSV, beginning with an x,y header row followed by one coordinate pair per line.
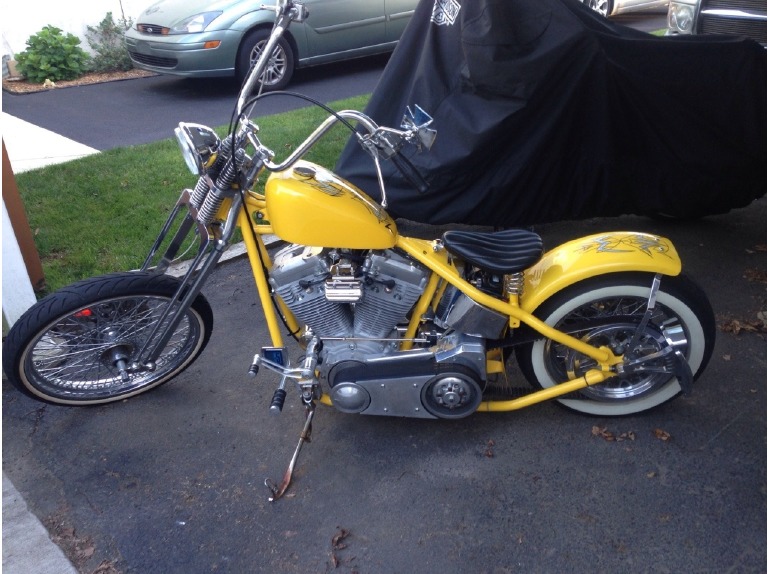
x,y
343,294
354,301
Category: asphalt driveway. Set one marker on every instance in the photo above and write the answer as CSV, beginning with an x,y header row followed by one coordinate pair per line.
x,y
173,481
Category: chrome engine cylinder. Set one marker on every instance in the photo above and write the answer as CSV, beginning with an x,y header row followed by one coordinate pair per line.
x,y
392,287
299,277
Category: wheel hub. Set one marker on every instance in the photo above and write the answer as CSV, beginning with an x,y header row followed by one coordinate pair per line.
x,y
630,384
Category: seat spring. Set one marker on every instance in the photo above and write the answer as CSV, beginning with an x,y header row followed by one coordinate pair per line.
x,y
514,284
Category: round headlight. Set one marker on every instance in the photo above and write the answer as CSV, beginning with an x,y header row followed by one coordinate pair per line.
x,y
198,144
185,146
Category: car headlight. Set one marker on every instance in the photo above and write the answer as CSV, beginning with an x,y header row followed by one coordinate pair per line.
x,y
193,24
681,18
198,145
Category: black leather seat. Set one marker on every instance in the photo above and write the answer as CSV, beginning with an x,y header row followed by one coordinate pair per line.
x,y
507,251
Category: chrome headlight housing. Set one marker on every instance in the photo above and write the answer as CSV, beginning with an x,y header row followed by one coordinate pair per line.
x,y
198,145
681,17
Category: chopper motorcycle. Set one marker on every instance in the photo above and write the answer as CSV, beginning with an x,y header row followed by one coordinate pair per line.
x,y
388,325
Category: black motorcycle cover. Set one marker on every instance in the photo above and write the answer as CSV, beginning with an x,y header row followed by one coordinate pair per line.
x,y
545,111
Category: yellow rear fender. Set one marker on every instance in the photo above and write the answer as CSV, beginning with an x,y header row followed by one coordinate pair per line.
x,y
594,255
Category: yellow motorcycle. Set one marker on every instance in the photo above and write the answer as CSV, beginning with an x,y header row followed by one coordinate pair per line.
x,y
389,325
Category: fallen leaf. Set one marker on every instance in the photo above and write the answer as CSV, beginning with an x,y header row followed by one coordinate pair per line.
x,y
727,357
602,432
339,537
754,275
660,434
488,452
652,474
737,326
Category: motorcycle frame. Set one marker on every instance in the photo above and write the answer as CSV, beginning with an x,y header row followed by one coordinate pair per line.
x,y
561,267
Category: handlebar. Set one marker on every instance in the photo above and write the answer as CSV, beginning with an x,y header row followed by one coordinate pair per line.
x,y
317,134
379,142
287,12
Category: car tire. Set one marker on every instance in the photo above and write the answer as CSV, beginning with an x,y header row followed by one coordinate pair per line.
x,y
281,66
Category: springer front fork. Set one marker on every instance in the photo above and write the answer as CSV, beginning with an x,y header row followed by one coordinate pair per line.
x,y
190,217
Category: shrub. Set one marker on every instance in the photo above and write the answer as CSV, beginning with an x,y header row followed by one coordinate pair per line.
x,y
50,55
106,40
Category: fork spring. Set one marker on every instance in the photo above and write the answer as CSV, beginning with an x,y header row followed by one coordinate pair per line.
x,y
199,193
216,196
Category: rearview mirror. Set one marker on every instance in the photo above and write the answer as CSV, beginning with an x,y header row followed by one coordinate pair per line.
x,y
417,121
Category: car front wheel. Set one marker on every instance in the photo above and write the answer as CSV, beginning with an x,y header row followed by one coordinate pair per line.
x,y
280,66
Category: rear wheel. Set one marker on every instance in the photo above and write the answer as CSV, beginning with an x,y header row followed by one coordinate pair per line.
x,y
77,345
280,66
606,311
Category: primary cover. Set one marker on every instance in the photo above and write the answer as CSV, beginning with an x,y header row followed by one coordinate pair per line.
x,y
545,111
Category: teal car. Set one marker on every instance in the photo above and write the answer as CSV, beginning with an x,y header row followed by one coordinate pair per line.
x,y
220,38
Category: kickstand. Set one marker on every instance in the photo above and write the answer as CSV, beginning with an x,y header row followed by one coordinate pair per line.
x,y
278,491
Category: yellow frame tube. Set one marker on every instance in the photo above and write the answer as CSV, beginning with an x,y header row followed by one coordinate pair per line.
x,y
253,250
420,250
592,377
420,309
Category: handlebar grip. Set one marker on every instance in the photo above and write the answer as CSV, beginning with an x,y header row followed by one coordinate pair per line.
x,y
276,405
410,173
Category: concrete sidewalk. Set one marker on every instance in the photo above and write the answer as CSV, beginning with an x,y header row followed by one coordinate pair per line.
x,y
26,545
31,147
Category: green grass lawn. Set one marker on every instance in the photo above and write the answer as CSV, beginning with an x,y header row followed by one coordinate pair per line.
x,y
102,213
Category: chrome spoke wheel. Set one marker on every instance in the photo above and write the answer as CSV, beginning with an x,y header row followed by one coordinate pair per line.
x,y
565,363
606,311
80,353
82,345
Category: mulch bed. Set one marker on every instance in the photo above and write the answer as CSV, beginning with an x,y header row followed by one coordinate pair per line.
x,y
21,86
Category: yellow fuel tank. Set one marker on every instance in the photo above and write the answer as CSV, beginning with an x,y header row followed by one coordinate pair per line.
x,y
309,205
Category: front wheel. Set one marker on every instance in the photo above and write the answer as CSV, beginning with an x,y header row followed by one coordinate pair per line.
x,y
606,311
70,347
